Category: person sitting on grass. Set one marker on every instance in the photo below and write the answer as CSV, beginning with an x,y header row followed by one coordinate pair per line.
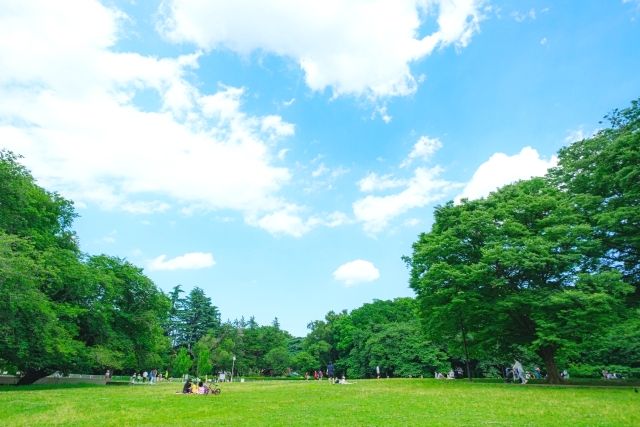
x,y
186,389
202,389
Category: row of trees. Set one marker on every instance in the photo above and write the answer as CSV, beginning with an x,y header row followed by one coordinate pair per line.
x,y
546,270
549,266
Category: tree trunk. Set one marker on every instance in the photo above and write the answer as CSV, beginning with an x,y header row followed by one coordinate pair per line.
x,y
31,376
466,349
548,355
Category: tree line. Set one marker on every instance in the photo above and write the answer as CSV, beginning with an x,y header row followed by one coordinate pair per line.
x,y
545,270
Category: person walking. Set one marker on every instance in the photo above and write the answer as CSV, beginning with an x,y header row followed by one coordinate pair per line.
x,y
518,372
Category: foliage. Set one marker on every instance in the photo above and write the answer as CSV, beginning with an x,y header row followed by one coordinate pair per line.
x,y
509,268
59,309
601,175
181,363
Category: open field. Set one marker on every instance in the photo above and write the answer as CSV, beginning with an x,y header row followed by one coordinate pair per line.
x,y
365,402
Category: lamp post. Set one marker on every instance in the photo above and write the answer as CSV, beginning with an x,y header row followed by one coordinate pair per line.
x,y
233,364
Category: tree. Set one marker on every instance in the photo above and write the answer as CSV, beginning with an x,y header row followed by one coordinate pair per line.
x,y
61,310
127,314
199,316
32,339
601,175
203,362
182,363
518,266
277,360
399,349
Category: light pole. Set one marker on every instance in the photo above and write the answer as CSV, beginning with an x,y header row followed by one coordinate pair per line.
x,y
233,364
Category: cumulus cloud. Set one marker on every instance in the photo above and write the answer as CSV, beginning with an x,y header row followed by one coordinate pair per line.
x,y
502,169
423,150
375,212
355,47
290,221
188,261
68,103
355,272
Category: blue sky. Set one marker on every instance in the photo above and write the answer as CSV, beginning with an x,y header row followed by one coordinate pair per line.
x,y
284,155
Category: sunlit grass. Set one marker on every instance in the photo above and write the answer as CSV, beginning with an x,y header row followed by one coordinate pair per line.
x,y
365,402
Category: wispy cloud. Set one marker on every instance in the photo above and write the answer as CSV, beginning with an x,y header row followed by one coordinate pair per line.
x,y
423,150
426,186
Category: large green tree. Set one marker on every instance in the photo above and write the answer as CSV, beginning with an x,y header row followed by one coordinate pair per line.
x,y
516,269
59,309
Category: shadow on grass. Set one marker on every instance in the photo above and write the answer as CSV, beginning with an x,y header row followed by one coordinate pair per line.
x,y
42,387
586,382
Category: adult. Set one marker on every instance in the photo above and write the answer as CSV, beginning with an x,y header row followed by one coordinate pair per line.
x,y
186,389
518,371
330,371
378,371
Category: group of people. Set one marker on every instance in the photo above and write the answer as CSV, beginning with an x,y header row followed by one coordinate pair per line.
x,y
147,377
331,375
319,374
451,375
606,375
199,388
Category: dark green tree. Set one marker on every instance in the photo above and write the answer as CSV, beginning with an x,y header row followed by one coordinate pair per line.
x,y
520,264
199,317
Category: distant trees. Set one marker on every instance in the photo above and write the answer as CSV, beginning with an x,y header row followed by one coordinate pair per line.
x,y
381,333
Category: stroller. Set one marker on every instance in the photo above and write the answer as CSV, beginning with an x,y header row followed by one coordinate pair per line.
x,y
212,388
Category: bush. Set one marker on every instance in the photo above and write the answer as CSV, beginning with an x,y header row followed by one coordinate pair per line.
x,y
595,371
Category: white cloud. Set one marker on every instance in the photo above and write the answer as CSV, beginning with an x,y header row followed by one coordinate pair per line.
x,y
141,207
373,182
502,169
188,261
289,221
544,41
358,47
355,272
423,150
375,212
68,104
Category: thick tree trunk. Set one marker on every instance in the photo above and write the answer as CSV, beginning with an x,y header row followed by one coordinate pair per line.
x,y
548,355
30,377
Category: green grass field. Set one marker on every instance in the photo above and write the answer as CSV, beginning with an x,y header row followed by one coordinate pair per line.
x,y
401,402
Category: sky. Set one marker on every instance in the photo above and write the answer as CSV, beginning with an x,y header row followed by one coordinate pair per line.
x,y
284,155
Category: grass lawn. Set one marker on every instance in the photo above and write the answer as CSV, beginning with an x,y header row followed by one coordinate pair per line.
x,y
385,402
